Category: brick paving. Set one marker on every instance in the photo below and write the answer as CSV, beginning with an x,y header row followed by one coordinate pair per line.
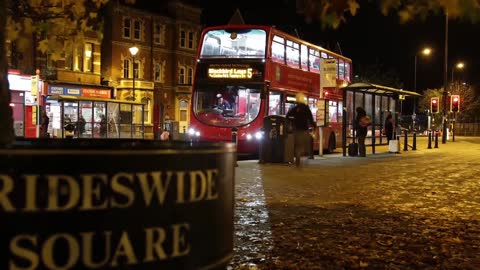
x,y
371,213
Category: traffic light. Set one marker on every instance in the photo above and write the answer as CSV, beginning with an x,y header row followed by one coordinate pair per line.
x,y
434,104
455,103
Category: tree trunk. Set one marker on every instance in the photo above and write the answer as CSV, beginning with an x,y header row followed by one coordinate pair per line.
x,y
6,121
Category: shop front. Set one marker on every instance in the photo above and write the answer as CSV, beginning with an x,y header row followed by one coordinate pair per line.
x,y
93,117
23,105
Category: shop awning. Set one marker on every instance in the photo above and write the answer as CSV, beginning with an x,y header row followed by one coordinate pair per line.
x,y
378,89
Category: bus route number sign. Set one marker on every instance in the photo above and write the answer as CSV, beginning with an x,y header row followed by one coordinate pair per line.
x,y
230,73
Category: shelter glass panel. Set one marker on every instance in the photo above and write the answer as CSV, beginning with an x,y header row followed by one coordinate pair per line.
x,y
113,120
85,124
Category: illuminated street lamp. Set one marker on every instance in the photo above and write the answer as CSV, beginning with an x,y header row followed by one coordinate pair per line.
x,y
426,51
460,66
133,51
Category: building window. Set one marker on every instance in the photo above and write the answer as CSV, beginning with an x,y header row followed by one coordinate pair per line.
x,y
146,112
88,63
182,39
137,29
126,68
181,77
190,40
157,33
126,27
78,65
136,66
190,76
183,106
157,73
69,60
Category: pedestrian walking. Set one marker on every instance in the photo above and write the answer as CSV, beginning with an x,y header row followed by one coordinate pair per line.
x,y
302,121
362,121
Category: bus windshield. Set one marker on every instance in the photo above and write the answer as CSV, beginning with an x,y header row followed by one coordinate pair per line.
x,y
234,43
226,105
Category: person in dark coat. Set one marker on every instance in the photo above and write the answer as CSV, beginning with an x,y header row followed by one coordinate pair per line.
x,y
388,126
44,125
81,125
103,126
361,131
302,121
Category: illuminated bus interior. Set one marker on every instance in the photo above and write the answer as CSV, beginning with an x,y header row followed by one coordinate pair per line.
x,y
234,43
227,105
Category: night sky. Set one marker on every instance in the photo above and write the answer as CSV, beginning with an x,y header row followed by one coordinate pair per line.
x,y
370,38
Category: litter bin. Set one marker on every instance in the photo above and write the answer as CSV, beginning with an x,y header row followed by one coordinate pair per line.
x,y
278,140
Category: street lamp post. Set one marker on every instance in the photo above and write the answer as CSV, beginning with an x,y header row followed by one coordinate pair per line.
x,y
459,65
445,84
133,51
425,51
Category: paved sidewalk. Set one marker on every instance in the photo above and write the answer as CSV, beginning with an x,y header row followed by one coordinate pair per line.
x,y
428,198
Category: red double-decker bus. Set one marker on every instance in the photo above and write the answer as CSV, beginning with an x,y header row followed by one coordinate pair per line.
x,y
246,72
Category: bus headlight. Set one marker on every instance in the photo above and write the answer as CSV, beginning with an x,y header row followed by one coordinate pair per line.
x,y
249,137
197,133
191,131
259,135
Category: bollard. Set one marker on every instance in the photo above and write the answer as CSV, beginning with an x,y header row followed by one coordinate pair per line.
x,y
405,141
310,150
436,139
235,141
414,143
429,134
398,144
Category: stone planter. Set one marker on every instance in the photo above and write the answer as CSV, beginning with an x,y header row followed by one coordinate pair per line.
x,y
116,204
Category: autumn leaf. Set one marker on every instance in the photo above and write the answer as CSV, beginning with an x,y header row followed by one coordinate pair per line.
x,y
43,46
28,27
35,3
353,7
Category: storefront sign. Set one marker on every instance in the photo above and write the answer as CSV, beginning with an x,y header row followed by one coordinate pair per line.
x,y
56,90
78,91
19,83
97,93
73,91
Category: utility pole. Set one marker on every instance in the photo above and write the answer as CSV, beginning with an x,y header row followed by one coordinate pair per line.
x,y
445,84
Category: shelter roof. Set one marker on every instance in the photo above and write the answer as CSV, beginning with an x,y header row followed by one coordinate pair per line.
x,y
378,89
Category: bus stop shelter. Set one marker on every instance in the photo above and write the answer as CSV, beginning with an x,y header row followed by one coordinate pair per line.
x,y
378,101
95,117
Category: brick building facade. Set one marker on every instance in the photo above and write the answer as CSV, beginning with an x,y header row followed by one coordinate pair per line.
x,y
167,40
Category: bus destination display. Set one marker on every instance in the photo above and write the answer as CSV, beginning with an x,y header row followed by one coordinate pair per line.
x,y
234,71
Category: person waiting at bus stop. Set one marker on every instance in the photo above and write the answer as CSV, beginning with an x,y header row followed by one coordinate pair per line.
x,y
362,121
302,121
